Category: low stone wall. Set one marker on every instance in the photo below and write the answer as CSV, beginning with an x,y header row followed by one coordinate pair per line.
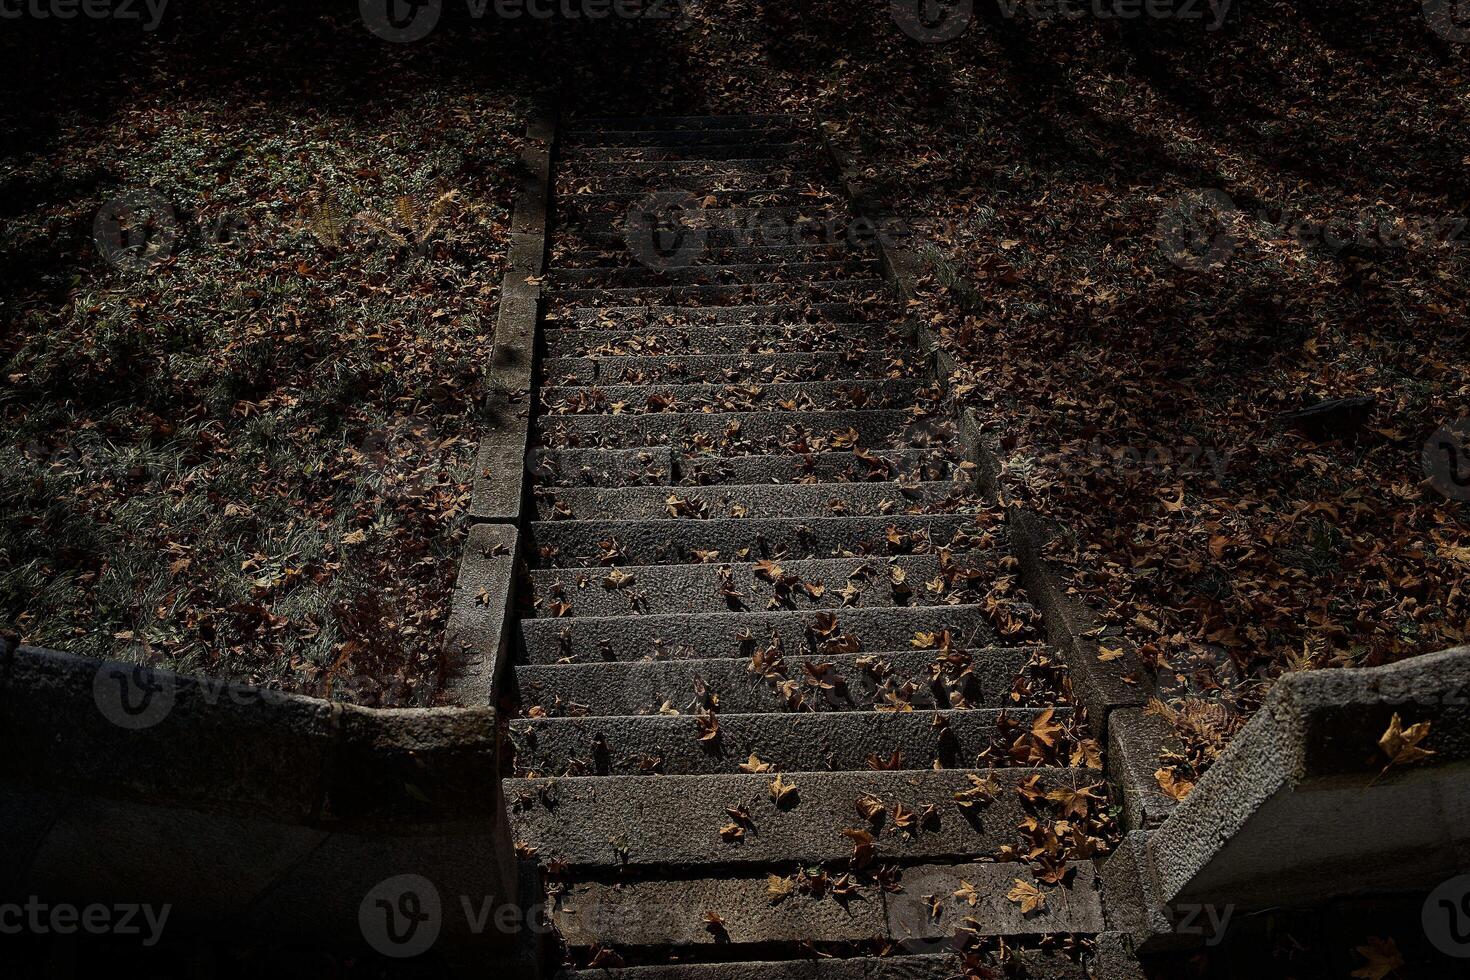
x,y
263,813
1304,807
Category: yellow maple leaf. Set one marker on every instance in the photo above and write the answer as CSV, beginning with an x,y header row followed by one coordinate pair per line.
x,y
1383,958
1401,745
1027,895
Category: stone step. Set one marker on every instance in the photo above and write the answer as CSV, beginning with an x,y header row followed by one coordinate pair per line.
x,y
1031,964
815,583
755,500
739,274
783,168
659,467
634,317
618,202
763,339
641,822
730,150
832,291
790,741
675,912
591,639
774,175
739,368
840,394
732,120
855,683
573,543
729,433
621,257
837,229
694,218
616,137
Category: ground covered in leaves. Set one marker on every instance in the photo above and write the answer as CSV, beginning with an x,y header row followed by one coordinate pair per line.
x,y
1140,355
246,449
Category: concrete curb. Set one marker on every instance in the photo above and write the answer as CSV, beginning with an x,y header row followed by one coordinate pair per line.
x,y
78,725
478,633
1111,690
499,490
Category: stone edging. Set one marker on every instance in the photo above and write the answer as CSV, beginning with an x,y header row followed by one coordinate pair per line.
x,y
236,750
481,611
1115,691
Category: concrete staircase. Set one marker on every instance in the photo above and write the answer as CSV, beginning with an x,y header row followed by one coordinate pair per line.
x,y
777,697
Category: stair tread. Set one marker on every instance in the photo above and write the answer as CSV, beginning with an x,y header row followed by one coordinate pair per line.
x,y
731,634
795,584
624,744
580,542
674,821
662,912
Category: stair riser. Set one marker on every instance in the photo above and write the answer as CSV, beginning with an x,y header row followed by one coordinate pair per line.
x,y
789,742
591,640
608,690
559,543
678,818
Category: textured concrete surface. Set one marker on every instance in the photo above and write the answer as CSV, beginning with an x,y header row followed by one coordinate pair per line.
x,y
705,635
477,636
1300,808
788,742
575,543
676,820
801,500
708,431
983,677
599,339
1070,907
773,396
1134,743
654,589
596,318
647,913
720,367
